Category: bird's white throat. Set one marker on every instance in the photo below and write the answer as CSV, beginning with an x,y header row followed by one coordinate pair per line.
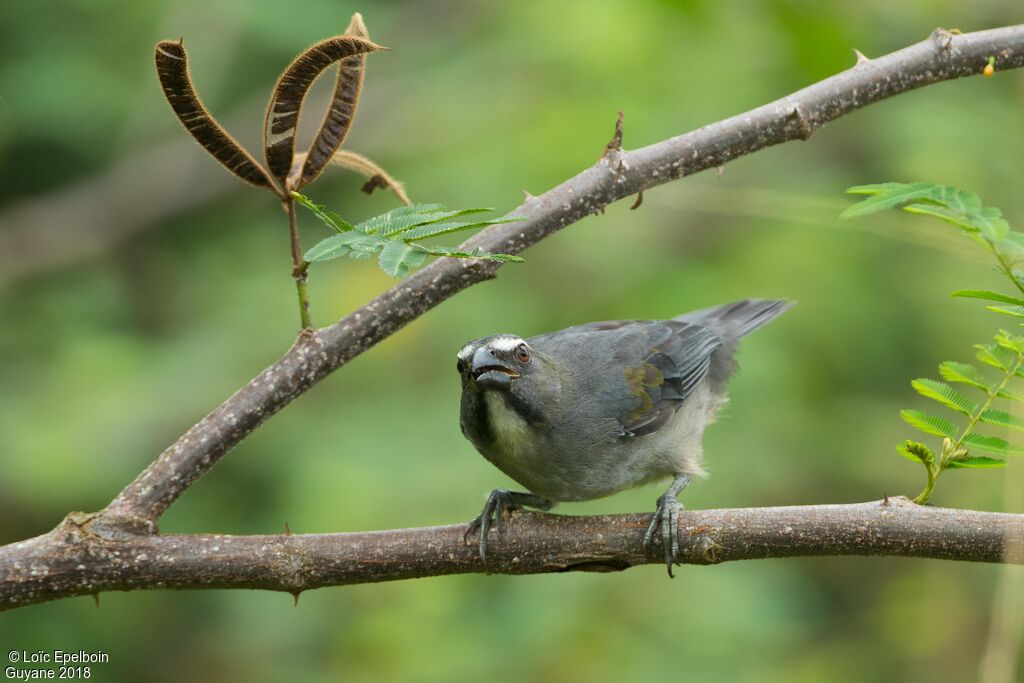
x,y
510,430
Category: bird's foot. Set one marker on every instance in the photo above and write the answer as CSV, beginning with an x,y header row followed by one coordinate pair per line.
x,y
666,517
499,502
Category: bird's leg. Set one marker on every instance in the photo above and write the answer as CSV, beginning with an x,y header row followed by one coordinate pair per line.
x,y
498,503
666,516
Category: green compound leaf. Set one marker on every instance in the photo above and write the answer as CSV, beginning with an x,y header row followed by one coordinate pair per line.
x,y
992,444
944,394
929,424
989,296
390,236
963,373
976,462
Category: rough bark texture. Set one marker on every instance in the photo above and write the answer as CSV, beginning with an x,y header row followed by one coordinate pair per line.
x,y
118,549
74,560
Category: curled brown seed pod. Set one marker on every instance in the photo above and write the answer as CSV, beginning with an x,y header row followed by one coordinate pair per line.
x,y
172,70
341,111
282,120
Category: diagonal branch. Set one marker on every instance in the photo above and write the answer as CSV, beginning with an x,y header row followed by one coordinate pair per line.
x,y
72,560
618,173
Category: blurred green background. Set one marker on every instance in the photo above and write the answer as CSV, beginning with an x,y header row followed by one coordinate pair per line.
x,y
140,285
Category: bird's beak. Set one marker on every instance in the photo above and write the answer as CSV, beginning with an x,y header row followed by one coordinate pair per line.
x,y
491,372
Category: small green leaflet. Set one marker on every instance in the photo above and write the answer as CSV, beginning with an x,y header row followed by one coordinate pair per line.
x,y
963,373
944,394
990,296
1001,418
884,196
346,244
393,236
929,424
1015,311
962,208
331,219
977,461
992,444
1010,342
397,257
476,253
995,355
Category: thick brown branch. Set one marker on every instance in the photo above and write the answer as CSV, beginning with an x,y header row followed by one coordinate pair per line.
x,y
616,175
74,560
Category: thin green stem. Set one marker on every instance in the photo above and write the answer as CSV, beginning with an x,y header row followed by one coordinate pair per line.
x,y
1007,268
300,286
299,266
990,396
933,475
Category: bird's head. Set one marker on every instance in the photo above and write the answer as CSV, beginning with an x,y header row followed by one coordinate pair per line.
x,y
506,384
498,363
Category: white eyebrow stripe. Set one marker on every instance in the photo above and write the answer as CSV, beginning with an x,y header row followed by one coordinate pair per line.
x,y
466,351
505,343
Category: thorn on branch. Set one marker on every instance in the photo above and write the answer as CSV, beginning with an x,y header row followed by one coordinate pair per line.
x,y
287,529
296,595
885,500
861,59
707,548
615,144
638,202
721,170
803,125
96,599
943,39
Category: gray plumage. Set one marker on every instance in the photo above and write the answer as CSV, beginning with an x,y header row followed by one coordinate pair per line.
x,y
591,410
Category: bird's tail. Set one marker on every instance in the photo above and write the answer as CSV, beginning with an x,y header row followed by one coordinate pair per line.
x,y
739,318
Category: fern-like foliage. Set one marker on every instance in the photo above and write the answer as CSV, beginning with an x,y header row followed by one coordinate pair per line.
x,y
988,229
394,237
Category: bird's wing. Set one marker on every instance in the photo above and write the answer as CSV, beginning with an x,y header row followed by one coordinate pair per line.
x,y
635,371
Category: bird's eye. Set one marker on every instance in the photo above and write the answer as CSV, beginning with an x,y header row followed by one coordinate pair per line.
x,y
522,354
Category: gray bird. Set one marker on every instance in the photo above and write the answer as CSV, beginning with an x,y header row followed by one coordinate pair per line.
x,y
591,410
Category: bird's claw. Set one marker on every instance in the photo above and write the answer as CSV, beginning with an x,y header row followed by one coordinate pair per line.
x,y
498,503
666,517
